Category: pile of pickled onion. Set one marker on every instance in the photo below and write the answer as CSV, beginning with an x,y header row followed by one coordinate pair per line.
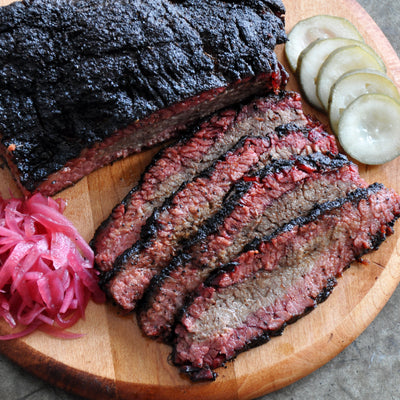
x,y
46,268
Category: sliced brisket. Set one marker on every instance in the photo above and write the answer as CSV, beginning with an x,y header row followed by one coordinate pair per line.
x,y
186,210
180,162
281,192
279,278
84,83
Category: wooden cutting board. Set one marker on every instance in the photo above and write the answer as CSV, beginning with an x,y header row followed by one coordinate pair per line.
x,y
114,361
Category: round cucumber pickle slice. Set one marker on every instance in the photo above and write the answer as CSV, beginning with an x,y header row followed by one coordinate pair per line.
x,y
310,61
341,61
369,129
353,85
313,28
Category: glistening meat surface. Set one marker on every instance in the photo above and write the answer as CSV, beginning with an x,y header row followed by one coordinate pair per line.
x,y
182,161
182,215
84,83
279,278
281,192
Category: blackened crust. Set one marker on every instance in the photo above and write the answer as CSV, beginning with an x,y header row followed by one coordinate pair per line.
x,y
184,159
195,202
375,210
303,181
181,215
99,67
315,134
207,374
355,197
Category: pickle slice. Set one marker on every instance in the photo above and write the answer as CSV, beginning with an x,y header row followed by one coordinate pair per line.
x,y
310,61
341,61
317,27
369,129
353,85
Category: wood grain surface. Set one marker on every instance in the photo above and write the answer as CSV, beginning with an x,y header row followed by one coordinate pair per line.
x,y
114,361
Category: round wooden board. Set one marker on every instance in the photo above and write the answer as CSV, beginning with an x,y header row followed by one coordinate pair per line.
x,y
114,361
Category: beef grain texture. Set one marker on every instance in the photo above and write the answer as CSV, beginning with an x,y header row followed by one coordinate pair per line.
x,y
282,191
185,211
182,161
85,82
279,279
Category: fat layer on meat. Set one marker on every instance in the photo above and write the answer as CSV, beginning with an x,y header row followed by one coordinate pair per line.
x,y
282,192
182,161
280,278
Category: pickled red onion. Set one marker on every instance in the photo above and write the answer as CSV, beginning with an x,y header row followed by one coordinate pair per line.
x,y
46,268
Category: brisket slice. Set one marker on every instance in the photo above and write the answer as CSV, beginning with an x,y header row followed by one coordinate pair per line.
x,y
281,192
279,279
186,210
181,161
84,83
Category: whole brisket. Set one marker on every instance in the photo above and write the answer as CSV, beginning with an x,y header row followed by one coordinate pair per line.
x,y
185,211
279,278
84,83
281,192
182,161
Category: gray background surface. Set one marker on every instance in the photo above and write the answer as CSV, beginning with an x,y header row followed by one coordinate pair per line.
x,y
367,369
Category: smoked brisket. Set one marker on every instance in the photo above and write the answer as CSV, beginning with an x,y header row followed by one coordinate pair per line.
x,y
281,192
241,225
182,161
187,209
85,82
279,278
